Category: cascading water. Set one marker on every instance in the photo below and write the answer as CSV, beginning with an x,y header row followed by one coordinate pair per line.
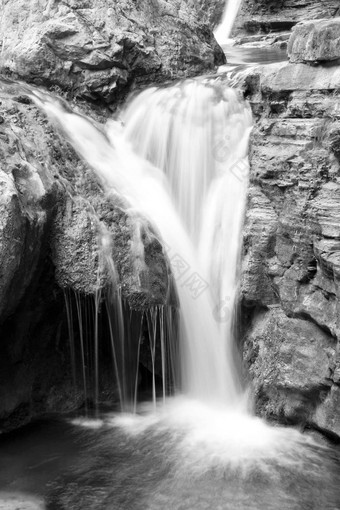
x,y
198,135
223,31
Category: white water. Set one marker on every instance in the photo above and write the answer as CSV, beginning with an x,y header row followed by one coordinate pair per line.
x,y
223,31
197,133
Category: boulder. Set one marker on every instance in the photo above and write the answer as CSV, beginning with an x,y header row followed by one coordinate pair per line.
x,y
100,49
315,42
291,363
58,228
295,77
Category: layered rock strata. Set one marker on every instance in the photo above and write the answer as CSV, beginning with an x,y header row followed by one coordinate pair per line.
x,y
269,16
291,275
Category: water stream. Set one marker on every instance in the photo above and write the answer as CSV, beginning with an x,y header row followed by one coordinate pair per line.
x,y
223,31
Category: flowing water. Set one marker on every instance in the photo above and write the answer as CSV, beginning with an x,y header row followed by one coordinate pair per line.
x,y
223,31
178,157
187,175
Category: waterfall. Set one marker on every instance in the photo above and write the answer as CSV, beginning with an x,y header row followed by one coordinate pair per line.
x,y
187,175
171,145
197,133
223,31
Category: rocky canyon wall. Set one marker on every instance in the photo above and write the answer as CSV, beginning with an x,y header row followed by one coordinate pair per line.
x,y
290,286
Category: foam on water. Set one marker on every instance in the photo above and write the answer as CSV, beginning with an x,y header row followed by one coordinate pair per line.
x,y
206,437
20,501
88,423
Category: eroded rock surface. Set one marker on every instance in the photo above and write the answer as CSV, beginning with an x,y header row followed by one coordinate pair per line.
x,y
54,217
315,42
290,285
270,15
291,362
99,49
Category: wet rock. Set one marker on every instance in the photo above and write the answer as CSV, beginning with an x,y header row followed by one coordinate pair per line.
x,y
99,50
327,414
212,11
268,25
291,362
294,77
54,216
315,41
262,13
291,243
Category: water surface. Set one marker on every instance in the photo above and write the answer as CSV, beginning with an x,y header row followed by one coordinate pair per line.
x,y
135,463
246,54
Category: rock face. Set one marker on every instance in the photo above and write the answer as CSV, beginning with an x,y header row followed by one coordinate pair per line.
x,y
270,15
212,11
313,42
99,49
54,216
292,361
290,285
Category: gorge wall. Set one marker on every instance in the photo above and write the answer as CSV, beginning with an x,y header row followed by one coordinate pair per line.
x,y
290,285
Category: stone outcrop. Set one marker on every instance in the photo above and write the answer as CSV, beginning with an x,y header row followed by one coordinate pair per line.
x,y
290,284
315,42
100,49
292,362
270,16
211,11
54,216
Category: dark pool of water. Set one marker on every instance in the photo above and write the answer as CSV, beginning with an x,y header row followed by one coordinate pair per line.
x,y
240,55
61,466
32,457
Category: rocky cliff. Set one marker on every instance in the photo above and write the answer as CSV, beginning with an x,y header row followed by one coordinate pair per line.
x,y
290,287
